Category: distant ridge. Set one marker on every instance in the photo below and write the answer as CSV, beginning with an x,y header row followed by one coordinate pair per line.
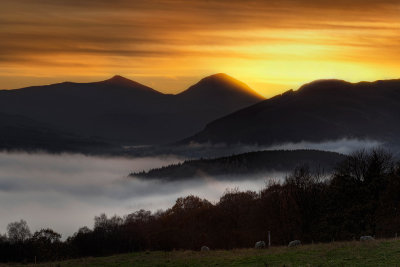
x,y
217,109
124,112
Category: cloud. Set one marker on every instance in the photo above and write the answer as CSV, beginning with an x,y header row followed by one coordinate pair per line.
x,y
192,38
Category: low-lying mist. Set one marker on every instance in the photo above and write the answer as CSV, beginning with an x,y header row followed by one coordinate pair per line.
x,y
65,192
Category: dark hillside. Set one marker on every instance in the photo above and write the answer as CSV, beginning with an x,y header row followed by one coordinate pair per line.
x,y
318,111
247,164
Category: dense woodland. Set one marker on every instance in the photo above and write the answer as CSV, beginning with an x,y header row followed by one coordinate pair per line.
x,y
258,162
361,197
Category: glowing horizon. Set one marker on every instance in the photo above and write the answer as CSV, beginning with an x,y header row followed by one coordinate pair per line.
x,y
171,44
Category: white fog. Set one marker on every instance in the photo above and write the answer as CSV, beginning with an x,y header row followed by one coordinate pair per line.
x,y
65,192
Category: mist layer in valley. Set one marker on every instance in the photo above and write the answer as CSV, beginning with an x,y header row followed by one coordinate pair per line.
x,y
66,191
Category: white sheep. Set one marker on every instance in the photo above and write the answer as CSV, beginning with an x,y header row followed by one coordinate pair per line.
x,y
260,245
294,243
205,248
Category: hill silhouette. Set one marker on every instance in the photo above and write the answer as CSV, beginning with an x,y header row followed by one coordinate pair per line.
x,y
318,111
126,112
220,86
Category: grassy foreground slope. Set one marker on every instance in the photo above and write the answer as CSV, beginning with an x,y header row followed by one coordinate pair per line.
x,y
376,253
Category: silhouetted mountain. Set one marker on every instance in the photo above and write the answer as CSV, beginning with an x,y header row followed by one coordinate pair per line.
x,y
220,86
209,99
126,112
253,163
120,81
318,111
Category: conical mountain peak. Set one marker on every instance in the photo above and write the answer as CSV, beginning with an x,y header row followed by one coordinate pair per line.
x,y
120,80
221,84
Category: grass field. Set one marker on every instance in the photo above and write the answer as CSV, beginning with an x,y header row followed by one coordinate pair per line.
x,y
375,253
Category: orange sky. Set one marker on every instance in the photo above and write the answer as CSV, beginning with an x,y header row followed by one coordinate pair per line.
x,y
170,44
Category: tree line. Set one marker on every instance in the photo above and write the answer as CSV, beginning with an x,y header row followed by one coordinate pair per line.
x,y
361,197
257,162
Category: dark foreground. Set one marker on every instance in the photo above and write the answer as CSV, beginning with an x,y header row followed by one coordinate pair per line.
x,y
354,253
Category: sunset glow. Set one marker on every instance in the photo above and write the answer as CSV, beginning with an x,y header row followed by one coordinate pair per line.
x,y
273,46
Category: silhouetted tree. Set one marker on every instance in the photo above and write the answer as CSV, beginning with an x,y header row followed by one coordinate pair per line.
x,y
18,232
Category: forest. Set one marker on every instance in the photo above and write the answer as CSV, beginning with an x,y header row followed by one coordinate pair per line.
x,y
250,163
360,197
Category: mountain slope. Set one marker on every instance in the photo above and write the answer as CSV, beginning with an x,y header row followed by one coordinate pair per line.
x,y
123,111
87,109
211,98
20,133
321,110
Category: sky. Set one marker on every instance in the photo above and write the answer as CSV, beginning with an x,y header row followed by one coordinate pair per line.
x,y
169,45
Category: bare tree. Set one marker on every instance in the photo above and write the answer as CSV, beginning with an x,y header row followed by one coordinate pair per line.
x,y
18,231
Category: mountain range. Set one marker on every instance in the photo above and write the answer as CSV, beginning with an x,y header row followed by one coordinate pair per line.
x,y
317,111
218,109
124,112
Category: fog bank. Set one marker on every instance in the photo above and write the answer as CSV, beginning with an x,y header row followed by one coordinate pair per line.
x,y
65,192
